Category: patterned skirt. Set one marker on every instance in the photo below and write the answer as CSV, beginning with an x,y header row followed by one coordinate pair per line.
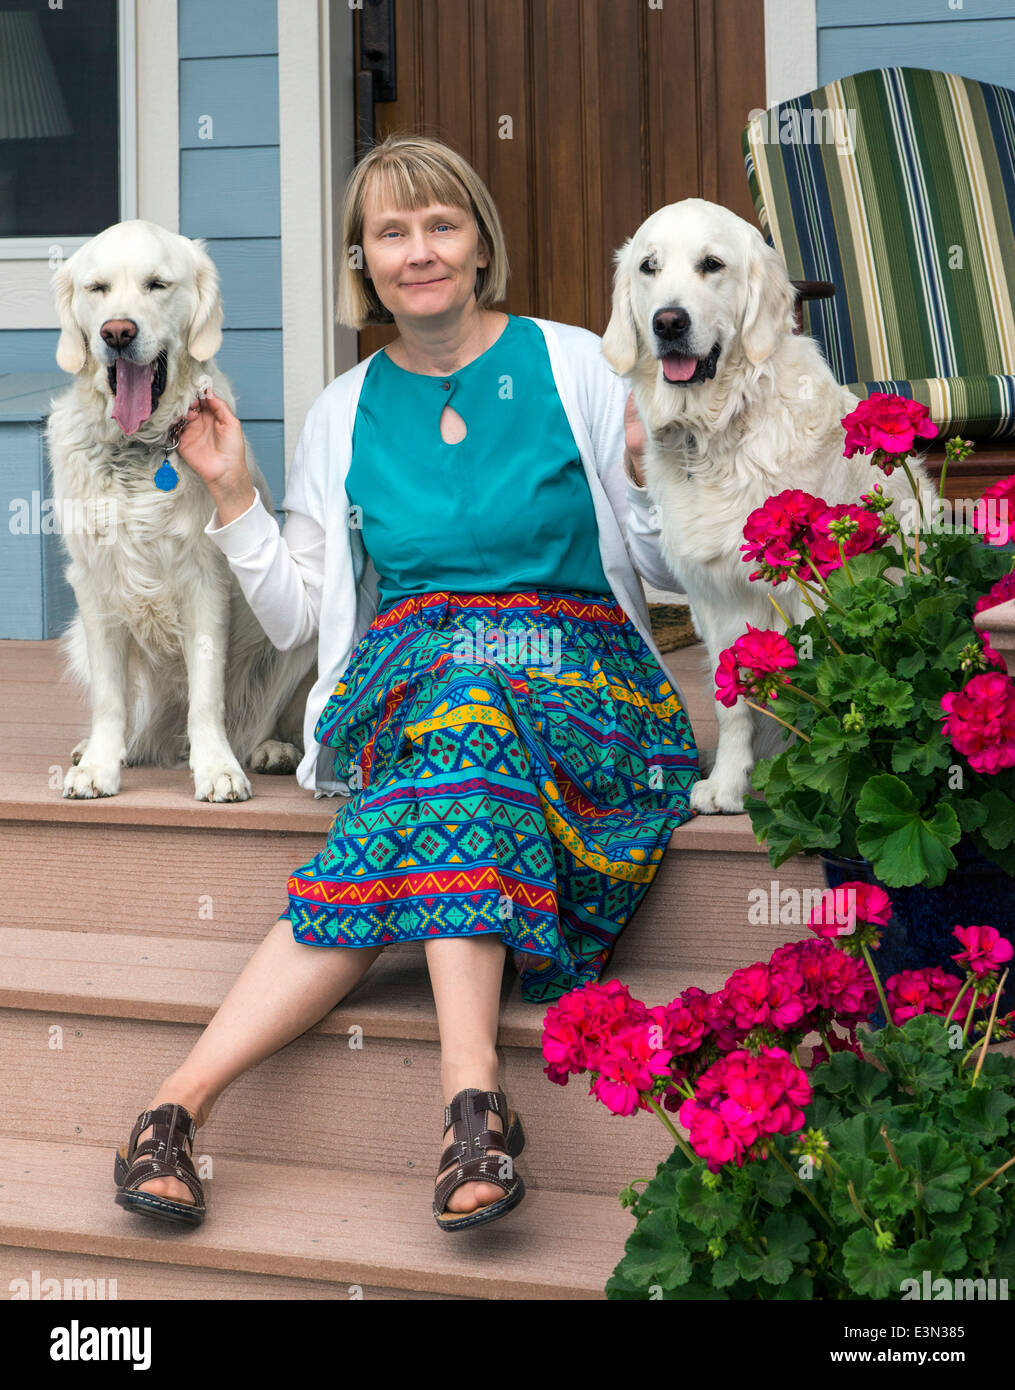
x,y
517,762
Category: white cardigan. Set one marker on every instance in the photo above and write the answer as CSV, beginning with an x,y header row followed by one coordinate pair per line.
x,y
314,574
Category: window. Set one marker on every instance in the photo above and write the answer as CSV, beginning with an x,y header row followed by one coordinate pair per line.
x,y
66,156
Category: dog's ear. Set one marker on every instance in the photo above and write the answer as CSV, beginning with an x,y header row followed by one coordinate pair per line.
x,y
206,326
770,299
619,343
71,350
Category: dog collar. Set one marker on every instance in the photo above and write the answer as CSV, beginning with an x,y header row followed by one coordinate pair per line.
x,y
166,476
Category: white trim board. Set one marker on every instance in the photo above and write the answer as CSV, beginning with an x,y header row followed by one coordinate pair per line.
x,y
791,49
315,125
150,142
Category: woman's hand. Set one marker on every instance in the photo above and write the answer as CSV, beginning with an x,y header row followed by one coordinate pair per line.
x,y
634,438
212,445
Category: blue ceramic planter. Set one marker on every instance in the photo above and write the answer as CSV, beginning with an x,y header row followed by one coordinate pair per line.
x,y
975,893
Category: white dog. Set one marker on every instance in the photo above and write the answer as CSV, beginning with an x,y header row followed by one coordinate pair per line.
x,y
164,638
736,408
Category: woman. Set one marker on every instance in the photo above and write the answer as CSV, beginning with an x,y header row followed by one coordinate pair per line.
x,y
463,482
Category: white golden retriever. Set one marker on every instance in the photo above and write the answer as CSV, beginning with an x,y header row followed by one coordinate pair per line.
x,y
164,639
736,408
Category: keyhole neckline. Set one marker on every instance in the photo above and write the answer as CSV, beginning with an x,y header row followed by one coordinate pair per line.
x,y
442,378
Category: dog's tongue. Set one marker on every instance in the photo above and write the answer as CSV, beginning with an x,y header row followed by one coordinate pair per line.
x,y
677,368
133,394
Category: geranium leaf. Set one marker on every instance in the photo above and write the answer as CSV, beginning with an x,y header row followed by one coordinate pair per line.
x,y
984,1113
655,1252
873,1273
844,1073
713,1210
999,824
941,1170
829,739
785,1244
892,1190
903,846
939,1253
971,813
1003,1266
908,755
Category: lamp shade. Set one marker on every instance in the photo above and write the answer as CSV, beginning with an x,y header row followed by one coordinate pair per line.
x,y
31,103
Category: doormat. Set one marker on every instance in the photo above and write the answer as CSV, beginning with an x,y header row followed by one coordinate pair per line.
x,y
671,626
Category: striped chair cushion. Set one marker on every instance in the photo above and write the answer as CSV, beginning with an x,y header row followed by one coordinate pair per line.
x,y
898,185
977,407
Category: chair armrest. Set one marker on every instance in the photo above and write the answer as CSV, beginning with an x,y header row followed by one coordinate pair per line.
x,y
809,289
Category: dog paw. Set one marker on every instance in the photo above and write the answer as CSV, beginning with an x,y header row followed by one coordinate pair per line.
x,y
276,757
226,782
715,796
91,779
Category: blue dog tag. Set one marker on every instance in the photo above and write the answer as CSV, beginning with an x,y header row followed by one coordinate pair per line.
x,y
166,476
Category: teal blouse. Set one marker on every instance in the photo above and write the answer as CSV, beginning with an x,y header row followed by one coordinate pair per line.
x,y
506,508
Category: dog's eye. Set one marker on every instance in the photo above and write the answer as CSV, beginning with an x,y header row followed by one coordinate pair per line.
x,y
156,285
94,289
710,263
649,265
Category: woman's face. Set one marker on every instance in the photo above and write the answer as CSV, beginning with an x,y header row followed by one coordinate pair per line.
x,y
423,262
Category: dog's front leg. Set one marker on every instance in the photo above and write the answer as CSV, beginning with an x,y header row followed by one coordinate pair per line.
x,y
97,772
217,773
730,779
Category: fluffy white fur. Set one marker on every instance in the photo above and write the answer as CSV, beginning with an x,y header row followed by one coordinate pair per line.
x,y
172,655
716,449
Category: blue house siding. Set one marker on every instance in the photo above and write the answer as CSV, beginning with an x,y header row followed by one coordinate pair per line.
x,y
975,40
230,196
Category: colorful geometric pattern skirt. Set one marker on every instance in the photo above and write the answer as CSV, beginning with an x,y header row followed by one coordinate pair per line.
x,y
517,762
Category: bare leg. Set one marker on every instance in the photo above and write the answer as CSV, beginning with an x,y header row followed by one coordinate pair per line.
x,y
466,972
284,989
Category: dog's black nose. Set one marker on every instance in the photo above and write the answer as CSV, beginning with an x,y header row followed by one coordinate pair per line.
x,y
670,323
118,332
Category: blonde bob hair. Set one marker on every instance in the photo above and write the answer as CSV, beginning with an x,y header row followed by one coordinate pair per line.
x,y
409,172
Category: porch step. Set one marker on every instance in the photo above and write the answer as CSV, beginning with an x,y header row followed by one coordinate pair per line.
x,y
296,1221
128,918
26,1273
90,1031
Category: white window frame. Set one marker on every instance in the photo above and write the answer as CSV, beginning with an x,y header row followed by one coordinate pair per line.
x,y
148,81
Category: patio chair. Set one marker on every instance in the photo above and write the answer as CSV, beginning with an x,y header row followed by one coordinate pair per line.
x,y
890,194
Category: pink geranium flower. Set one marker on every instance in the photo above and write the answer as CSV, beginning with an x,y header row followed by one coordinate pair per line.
x,y
887,422
752,666
684,1024
980,721
985,949
866,536
578,1027
996,517
777,531
629,1065
830,980
927,991
740,1100
840,910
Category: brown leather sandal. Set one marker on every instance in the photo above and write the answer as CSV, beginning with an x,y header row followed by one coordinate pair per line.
x,y
161,1155
470,1146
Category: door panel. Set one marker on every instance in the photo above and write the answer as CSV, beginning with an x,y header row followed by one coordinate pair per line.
x,y
615,108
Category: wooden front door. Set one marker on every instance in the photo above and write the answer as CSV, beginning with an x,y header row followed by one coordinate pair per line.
x,y
582,117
